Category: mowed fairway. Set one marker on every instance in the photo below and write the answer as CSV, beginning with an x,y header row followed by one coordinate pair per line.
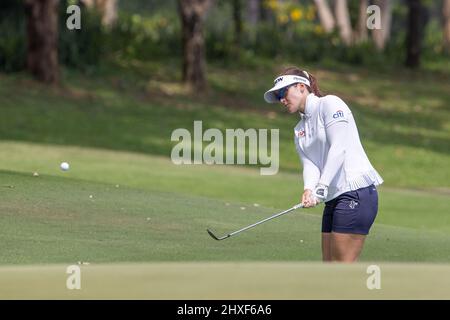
x,y
69,218
136,226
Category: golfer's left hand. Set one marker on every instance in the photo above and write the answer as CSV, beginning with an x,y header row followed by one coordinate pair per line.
x,y
308,200
320,193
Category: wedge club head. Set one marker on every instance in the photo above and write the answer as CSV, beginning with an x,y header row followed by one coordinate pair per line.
x,y
214,236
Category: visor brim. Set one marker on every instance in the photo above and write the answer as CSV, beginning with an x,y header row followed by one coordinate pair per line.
x,y
281,82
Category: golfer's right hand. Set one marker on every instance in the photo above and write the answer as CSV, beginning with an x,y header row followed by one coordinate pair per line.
x,y
308,200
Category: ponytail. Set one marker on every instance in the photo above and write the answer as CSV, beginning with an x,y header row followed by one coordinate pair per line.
x,y
314,87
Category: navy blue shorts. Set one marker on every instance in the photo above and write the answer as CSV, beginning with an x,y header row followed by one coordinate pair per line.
x,y
351,212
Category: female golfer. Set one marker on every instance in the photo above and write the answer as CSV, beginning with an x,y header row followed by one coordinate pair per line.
x,y
336,169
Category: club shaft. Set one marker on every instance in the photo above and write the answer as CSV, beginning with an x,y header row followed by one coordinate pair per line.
x,y
265,220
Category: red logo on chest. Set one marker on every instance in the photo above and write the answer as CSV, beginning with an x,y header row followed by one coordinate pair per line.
x,y
301,133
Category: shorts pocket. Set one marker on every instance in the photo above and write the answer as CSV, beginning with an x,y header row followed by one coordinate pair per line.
x,y
344,217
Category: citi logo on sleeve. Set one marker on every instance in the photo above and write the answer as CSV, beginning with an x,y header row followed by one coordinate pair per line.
x,y
338,114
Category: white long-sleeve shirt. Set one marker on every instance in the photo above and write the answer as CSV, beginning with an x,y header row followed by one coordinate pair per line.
x,y
327,141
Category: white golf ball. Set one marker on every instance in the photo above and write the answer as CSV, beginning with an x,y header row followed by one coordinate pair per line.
x,y
64,166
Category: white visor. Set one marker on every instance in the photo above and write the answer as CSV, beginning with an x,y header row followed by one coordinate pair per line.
x,y
282,82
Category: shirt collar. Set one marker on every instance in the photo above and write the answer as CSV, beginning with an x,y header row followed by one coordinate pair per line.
x,y
310,105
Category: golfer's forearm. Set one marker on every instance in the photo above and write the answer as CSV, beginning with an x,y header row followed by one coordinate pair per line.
x,y
311,172
311,175
336,135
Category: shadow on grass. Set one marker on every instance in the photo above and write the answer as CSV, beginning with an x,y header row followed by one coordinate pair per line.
x,y
122,115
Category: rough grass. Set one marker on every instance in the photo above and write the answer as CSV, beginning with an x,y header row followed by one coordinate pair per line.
x,y
47,219
402,115
416,208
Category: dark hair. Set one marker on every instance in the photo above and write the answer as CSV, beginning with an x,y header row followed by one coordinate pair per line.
x,y
298,72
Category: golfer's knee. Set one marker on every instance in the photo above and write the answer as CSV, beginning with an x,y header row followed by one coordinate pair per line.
x,y
346,257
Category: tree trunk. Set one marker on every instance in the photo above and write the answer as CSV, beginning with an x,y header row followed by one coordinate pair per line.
x,y
343,21
107,9
42,33
192,14
253,12
325,15
416,24
237,19
381,36
360,34
265,14
446,18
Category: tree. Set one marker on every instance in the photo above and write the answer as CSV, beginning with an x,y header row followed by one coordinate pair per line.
x,y
107,9
237,19
417,16
253,12
446,20
325,15
42,39
360,33
12,21
192,14
265,13
343,21
381,36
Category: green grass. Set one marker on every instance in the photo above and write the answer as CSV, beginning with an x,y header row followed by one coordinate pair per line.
x,y
152,210
114,129
403,116
420,209
142,233
227,280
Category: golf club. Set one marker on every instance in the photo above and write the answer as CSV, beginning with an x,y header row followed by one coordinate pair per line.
x,y
297,206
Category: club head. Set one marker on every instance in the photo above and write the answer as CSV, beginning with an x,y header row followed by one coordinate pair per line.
x,y
214,237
